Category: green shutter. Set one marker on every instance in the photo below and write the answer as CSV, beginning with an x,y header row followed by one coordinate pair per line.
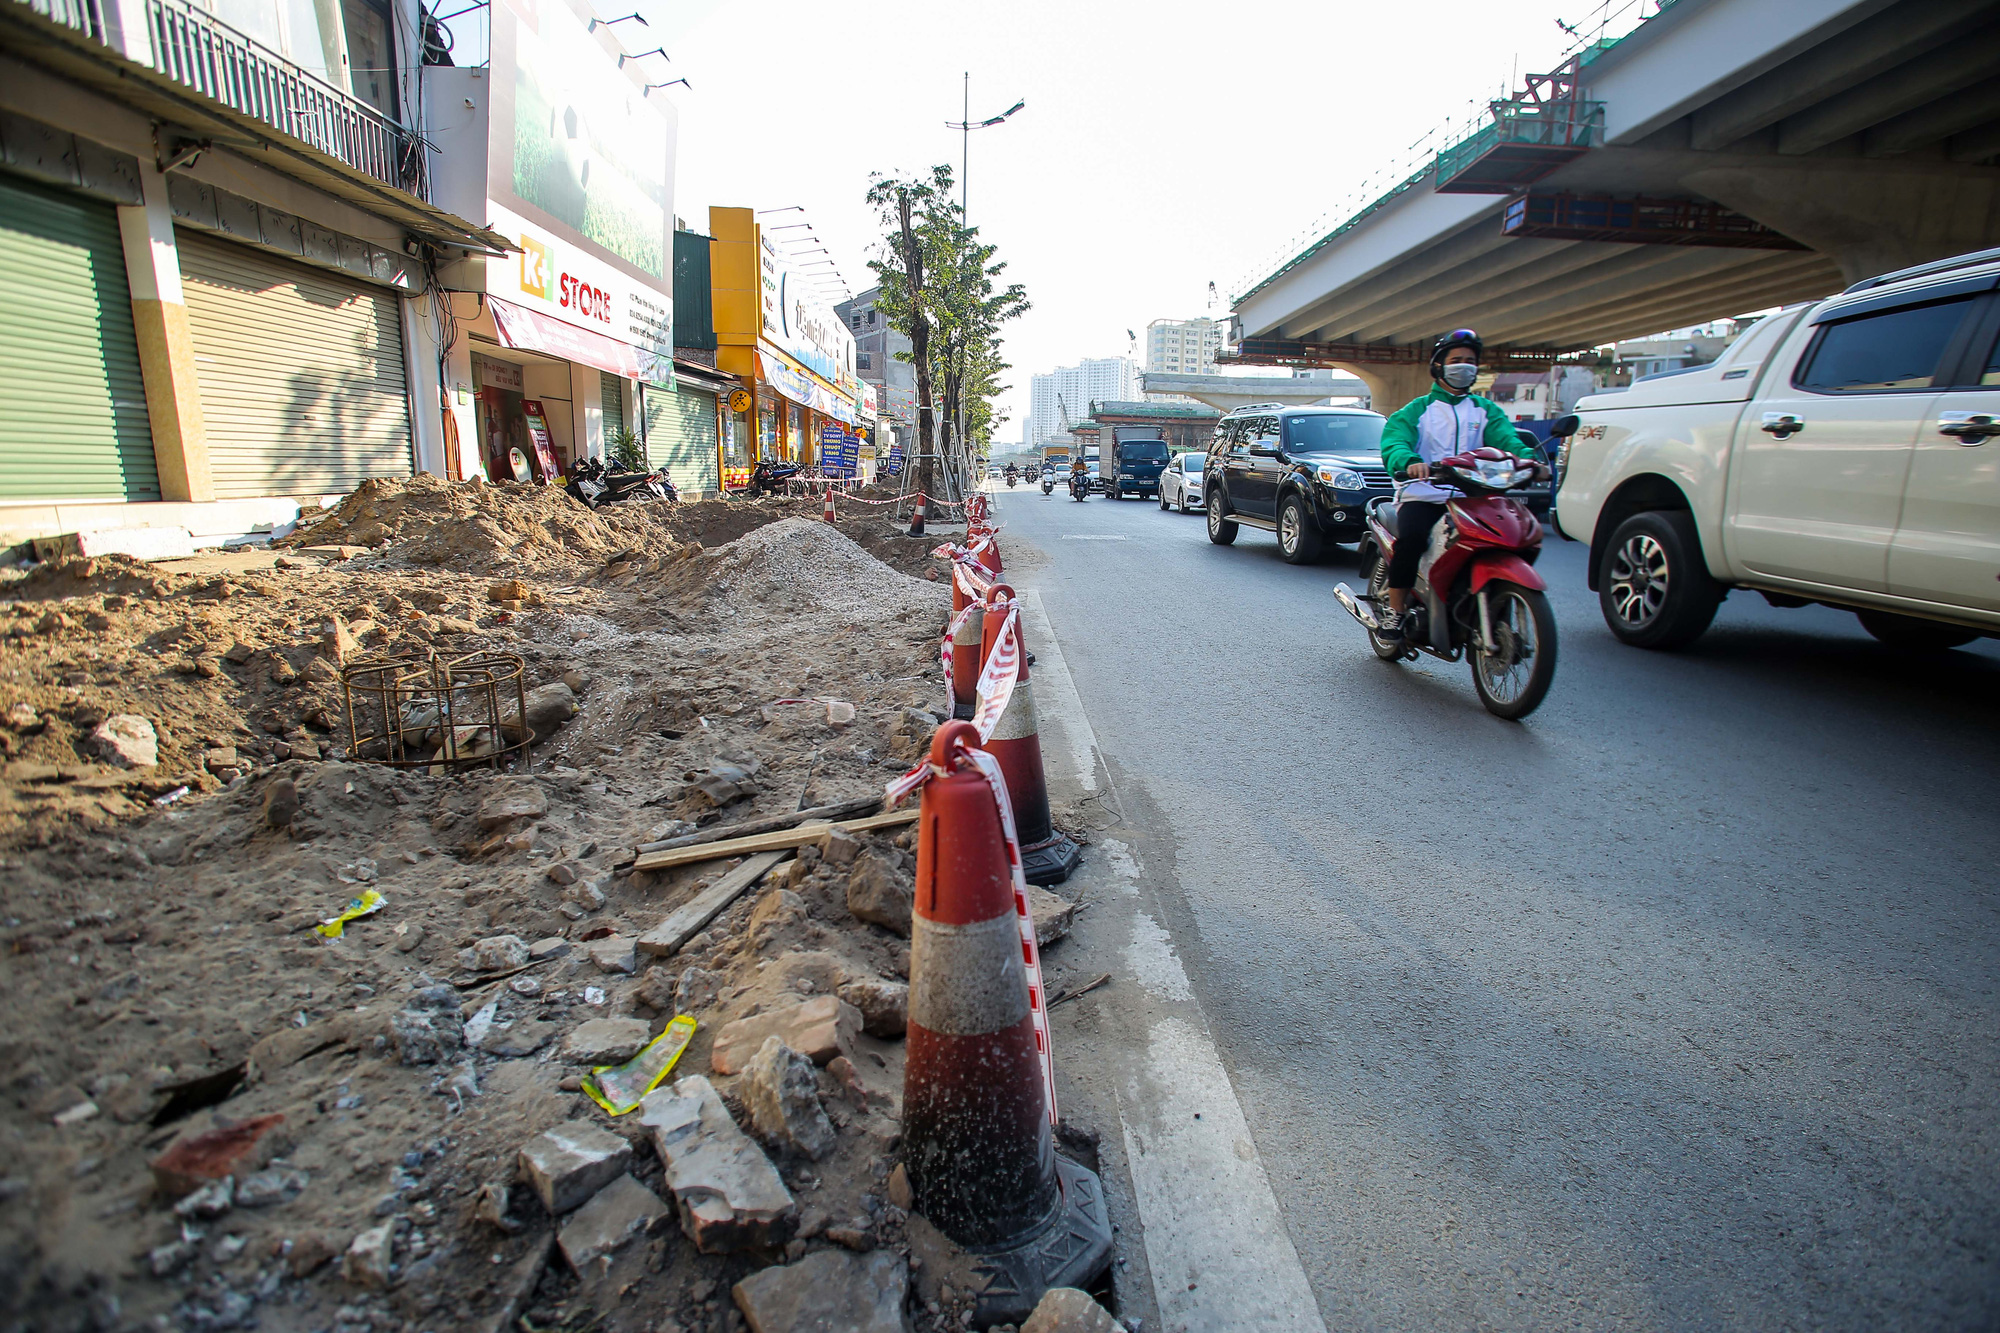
x,y
75,425
613,394
680,437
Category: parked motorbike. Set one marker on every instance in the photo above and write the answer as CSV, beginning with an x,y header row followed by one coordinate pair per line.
x,y
769,478
1079,486
597,485
1477,593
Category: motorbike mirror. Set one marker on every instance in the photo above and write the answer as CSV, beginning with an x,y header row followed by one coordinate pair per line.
x,y
1564,426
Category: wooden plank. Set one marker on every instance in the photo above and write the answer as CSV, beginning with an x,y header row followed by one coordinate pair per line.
x,y
860,805
782,840
686,920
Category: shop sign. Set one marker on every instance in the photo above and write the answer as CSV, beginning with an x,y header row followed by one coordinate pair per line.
x,y
839,451
893,464
805,390
739,400
560,280
800,321
496,374
533,332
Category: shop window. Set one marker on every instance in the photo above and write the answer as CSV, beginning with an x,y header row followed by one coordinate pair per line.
x,y
864,361
371,54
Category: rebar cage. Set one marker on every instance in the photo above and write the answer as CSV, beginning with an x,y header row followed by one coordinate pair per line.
x,y
442,713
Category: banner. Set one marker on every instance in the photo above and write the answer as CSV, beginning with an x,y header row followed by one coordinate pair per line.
x,y
839,451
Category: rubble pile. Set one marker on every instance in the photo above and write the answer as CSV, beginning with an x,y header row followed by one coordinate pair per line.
x,y
220,1113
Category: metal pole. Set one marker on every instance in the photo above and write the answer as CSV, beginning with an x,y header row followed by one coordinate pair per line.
x,y
965,153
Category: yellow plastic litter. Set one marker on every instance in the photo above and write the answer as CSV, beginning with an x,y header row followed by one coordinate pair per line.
x,y
369,902
620,1088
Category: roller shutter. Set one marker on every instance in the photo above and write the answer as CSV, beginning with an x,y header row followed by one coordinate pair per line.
x,y
612,395
680,437
301,373
74,426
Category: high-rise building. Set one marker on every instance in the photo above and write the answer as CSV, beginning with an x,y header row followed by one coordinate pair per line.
x,y
1105,378
1182,346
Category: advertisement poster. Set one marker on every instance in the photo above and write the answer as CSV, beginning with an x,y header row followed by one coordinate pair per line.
x,y
893,464
538,434
839,452
588,150
797,319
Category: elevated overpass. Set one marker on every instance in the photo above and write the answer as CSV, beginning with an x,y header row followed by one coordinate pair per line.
x,y
1724,156
1226,393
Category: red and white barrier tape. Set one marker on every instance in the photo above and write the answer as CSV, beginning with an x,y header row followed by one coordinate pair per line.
x,y
1031,954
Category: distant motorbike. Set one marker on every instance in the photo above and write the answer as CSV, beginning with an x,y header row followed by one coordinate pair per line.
x,y
1477,593
1048,482
769,478
1012,477
596,485
1079,486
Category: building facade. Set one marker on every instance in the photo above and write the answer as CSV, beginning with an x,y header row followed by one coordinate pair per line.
x,y
1183,346
878,353
1069,390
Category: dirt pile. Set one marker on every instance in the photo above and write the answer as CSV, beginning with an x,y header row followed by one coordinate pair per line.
x,y
165,981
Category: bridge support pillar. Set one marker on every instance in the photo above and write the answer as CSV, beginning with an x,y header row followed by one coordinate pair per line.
x,y
1869,218
1389,387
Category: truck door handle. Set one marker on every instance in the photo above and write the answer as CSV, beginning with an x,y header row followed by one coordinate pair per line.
x,y
1968,427
1782,425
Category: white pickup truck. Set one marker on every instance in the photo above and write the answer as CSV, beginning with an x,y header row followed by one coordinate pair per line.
x,y
1841,452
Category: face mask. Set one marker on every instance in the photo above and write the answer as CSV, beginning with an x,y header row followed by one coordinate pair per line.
x,y
1459,375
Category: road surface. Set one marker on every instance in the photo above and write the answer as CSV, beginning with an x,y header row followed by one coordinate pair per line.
x,y
1672,1007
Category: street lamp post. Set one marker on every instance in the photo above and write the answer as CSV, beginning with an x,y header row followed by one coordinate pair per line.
x,y
965,128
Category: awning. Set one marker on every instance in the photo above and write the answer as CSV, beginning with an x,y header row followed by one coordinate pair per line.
x,y
532,332
706,378
802,388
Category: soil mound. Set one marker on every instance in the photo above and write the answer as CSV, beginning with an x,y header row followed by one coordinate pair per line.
x,y
805,562
472,525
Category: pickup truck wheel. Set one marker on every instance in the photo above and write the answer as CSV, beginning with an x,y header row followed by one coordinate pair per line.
x,y
1298,540
1220,530
1914,633
1653,588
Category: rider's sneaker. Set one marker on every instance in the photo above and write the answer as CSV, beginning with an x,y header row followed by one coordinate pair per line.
x,y
1389,627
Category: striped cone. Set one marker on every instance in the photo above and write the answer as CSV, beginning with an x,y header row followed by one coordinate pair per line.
x,y
987,552
829,502
917,516
977,1115
1048,856
967,653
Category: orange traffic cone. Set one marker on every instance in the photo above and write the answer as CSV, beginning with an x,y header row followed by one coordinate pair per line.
x,y
829,502
1048,856
967,635
977,1121
917,516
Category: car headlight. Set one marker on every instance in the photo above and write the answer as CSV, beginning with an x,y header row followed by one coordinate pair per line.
x,y
1343,479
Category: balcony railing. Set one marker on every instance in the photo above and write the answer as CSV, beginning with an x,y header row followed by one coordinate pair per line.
x,y
194,48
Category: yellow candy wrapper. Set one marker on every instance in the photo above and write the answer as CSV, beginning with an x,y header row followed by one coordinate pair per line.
x,y
369,902
620,1088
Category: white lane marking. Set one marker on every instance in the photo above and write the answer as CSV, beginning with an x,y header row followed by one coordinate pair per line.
x,y
1093,537
1063,713
1220,1256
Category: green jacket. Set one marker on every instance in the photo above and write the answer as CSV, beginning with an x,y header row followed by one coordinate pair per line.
x,y
1442,423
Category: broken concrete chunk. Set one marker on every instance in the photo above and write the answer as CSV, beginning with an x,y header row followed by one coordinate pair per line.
x,y
497,953
562,872
511,801
337,642
614,953
369,1256
839,847
724,783
725,1189
211,1200
550,946
819,1028
549,706
782,1095
777,909
672,828
568,1164
1052,913
605,1041
507,590
828,1289
884,1006
1067,1310
126,740
880,891
615,1214
699,988
524,1037
273,1185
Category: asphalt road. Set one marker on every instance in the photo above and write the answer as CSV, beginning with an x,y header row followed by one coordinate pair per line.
x,y
1672,1007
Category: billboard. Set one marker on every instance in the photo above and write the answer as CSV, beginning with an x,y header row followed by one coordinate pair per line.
x,y
580,174
797,319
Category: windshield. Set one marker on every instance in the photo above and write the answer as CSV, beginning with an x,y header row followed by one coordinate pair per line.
x,y
1334,433
1151,450
1193,462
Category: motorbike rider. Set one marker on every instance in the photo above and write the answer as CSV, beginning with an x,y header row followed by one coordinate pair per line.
x,y
1079,475
1450,419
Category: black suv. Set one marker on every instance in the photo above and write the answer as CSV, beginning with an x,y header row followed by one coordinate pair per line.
x,y
1305,473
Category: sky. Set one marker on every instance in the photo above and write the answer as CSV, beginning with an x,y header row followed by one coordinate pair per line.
x,y
1163,146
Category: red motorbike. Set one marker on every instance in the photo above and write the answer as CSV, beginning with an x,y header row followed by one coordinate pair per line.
x,y
1477,592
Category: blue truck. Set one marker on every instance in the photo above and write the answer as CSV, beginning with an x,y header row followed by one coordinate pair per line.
x,y
1142,457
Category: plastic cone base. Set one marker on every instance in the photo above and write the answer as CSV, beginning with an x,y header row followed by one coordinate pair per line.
x,y
1070,1250
962,712
1051,861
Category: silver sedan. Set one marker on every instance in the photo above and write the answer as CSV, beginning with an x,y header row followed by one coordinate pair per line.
x,y
1180,484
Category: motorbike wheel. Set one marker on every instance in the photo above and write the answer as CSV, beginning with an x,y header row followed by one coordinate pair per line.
x,y
1513,681
1378,594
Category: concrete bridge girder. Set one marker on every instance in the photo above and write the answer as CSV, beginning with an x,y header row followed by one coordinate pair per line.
x,y
1478,301
1799,277
1449,291
1443,261
1912,83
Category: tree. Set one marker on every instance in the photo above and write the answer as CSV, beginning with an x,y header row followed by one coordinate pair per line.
x,y
939,287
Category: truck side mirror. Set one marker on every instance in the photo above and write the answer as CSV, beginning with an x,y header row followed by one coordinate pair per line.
x,y
1564,426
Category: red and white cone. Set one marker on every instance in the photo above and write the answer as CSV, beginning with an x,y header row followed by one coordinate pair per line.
x,y
977,1114
968,634
829,502
917,516
1048,856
